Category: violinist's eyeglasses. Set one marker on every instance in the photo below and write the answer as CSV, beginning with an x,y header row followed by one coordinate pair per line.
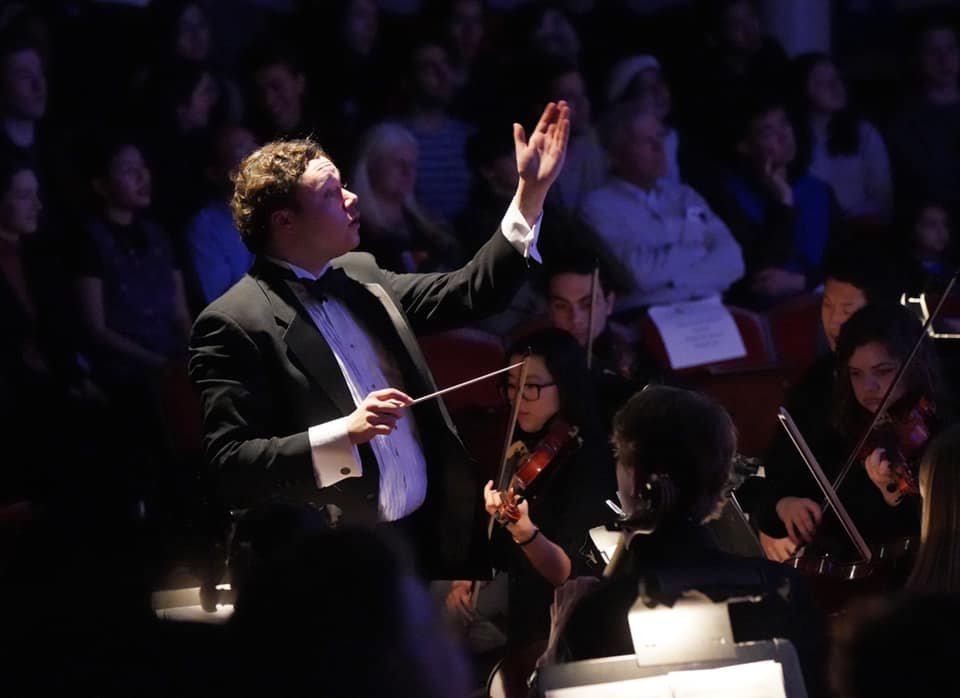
x,y
531,391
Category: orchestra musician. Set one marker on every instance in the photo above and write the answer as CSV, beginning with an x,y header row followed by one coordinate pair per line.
x,y
539,545
871,347
937,565
852,279
581,291
306,365
683,443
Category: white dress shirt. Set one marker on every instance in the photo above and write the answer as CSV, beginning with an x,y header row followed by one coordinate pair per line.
x,y
366,367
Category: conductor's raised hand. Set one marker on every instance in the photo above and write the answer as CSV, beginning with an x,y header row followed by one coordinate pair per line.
x,y
540,157
376,415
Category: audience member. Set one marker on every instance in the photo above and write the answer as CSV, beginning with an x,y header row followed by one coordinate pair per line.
x,y
179,102
664,232
132,300
489,152
930,246
393,225
280,94
848,153
219,257
586,166
781,217
356,95
443,179
462,24
925,135
641,78
23,99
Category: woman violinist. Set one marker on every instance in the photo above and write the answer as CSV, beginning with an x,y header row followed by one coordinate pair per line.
x,y
543,529
880,491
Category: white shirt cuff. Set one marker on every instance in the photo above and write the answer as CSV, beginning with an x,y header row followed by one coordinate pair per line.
x,y
334,457
519,234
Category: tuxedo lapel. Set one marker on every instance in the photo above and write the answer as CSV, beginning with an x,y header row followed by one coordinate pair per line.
x,y
302,337
318,361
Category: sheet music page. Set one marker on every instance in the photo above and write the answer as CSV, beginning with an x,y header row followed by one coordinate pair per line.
x,y
698,332
762,679
650,687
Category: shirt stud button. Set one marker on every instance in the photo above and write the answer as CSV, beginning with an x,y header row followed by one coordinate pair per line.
x,y
345,471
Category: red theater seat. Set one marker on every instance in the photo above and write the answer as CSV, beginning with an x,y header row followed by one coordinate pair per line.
x,y
478,410
180,412
798,332
460,355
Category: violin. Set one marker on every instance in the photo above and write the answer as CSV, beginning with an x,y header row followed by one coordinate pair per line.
x,y
903,438
560,441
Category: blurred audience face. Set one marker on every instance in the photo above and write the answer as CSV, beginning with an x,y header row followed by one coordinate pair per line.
x,y
195,112
193,34
770,140
501,175
569,305
361,26
393,172
642,159
650,87
24,85
872,369
826,91
126,184
840,301
432,76
234,143
466,29
533,415
280,92
572,88
555,35
741,29
931,233
940,58
20,204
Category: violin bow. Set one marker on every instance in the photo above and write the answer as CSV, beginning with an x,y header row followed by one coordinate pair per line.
x,y
503,477
594,283
887,397
829,492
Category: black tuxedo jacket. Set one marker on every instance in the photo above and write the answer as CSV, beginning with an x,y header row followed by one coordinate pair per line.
x,y
266,375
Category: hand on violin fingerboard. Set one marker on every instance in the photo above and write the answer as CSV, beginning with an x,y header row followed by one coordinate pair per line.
x,y
508,509
883,476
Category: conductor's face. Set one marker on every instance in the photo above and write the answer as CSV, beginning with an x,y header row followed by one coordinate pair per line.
x,y
327,221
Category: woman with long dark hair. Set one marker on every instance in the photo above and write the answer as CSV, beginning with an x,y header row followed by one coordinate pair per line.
x,y
871,347
847,152
539,548
937,567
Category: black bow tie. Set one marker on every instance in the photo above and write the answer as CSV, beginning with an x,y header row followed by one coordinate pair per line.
x,y
334,283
